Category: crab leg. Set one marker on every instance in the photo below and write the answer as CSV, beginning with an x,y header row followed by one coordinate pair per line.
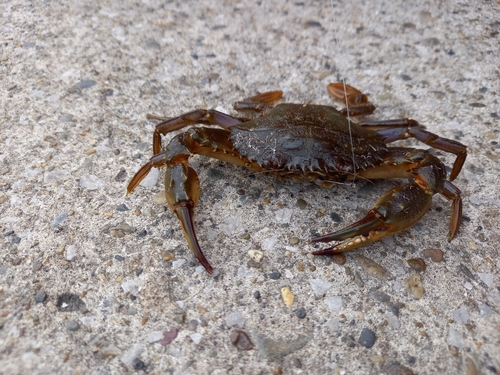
x,y
356,102
198,116
402,207
398,129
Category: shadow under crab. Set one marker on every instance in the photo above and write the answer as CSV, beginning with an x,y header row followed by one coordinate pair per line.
x,y
316,143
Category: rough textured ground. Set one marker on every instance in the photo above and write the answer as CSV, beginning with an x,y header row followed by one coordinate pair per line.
x,y
93,281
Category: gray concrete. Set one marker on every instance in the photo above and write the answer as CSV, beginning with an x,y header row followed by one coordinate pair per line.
x,y
83,289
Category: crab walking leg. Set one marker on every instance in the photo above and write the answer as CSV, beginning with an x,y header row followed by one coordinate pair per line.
x,y
198,116
259,103
393,130
402,207
358,103
157,161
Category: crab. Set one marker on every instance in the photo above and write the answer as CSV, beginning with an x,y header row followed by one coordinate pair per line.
x,y
315,143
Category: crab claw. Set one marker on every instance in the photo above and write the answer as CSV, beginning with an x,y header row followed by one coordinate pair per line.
x,y
182,191
397,210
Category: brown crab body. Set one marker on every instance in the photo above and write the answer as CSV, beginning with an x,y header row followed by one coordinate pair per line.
x,y
312,142
315,143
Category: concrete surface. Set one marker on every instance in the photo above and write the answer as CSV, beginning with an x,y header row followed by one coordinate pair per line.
x,y
94,282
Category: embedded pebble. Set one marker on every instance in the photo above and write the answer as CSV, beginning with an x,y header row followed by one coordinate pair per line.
x,y
122,207
155,336
131,287
339,259
196,337
65,117
58,220
274,275
40,297
160,198
87,320
418,264
414,286
85,84
436,255
54,175
397,369
271,350
334,303
461,315
301,204
380,296
485,311
284,215
455,338
269,243
73,325
241,340
176,264
71,251
487,278
91,182
235,319
287,296
256,255
301,313
169,336
319,287
294,241
367,338
378,359
372,268
131,355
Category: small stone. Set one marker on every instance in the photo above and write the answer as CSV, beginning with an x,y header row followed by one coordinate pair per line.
x,y
272,350
256,295
397,369
414,286
274,275
377,359
301,313
436,255
167,255
241,340
85,84
319,287
58,220
91,182
485,311
334,303
131,355
73,325
65,117
122,207
487,278
417,264
294,241
367,338
155,336
339,259
300,266
131,311
256,255
196,337
461,315
372,268
455,338
287,296
160,198
470,366
284,215
40,297
301,204
169,336
71,252
235,319
119,258
380,296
